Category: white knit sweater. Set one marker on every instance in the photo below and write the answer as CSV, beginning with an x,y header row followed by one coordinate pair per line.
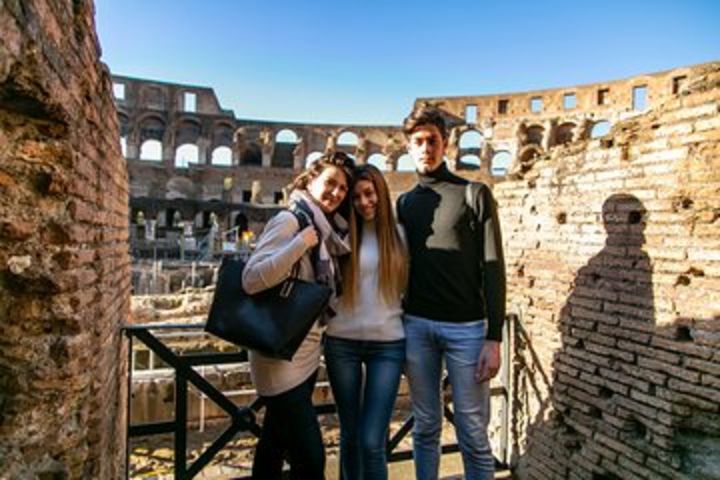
x,y
371,318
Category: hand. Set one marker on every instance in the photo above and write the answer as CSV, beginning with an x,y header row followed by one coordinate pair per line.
x,y
488,363
309,236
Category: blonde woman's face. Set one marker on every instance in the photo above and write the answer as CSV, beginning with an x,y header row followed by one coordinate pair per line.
x,y
365,199
329,189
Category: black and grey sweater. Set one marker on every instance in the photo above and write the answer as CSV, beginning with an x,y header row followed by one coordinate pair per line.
x,y
457,270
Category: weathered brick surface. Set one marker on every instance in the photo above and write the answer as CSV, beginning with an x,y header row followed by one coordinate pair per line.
x,y
613,250
64,265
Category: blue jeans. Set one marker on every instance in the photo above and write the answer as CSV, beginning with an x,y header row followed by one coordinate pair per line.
x,y
429,342
364,407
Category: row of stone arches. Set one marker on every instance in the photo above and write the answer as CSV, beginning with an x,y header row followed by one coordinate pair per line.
x,y
185,154
345,139
499,163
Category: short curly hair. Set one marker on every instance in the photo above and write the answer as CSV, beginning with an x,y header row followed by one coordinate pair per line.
x,y
425,116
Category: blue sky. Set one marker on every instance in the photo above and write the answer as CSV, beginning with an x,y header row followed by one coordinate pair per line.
x,y
365,62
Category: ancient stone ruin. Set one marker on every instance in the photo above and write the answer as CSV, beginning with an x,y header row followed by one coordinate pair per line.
x,y
609,198
64,262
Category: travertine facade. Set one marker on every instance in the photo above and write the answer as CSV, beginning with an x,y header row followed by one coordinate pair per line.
x,y
64,263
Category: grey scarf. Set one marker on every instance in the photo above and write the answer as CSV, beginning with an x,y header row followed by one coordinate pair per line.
x,y
334,241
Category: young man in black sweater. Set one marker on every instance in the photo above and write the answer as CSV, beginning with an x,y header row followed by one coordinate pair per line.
x,y
455,302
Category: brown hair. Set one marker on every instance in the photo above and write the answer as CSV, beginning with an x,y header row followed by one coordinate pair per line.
x,y
425,116
392,260
341,160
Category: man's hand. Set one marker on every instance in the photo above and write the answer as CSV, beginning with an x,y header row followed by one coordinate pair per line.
x,y
488,363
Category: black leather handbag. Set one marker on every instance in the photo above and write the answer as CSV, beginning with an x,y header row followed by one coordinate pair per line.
x,y
275,321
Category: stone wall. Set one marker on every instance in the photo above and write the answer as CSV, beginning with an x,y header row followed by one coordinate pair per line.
x,y
613,249
64,264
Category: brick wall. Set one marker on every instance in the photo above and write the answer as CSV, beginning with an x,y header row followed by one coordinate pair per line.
x,y
613,249
64,265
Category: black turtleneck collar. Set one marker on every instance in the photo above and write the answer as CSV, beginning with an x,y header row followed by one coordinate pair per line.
x,y
439,175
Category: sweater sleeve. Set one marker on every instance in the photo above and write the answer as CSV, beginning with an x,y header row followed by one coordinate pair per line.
x,y
278,249
494,281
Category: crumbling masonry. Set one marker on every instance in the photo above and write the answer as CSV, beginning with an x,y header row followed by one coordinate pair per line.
x,y
609,196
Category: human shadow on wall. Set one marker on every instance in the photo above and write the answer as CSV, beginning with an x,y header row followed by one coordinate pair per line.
x,y
610,307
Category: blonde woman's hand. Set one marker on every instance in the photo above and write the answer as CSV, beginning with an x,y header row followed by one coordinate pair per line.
x,y
309,236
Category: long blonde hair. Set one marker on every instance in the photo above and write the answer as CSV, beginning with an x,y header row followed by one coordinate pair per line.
x,y
392,260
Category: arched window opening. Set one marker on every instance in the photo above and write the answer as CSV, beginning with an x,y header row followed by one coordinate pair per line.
x,y
312,157
151,150
470,162
471,139
347,139
500,163
286,136
535,134
378,160
564,133
406,163
600,129
186,154
222,156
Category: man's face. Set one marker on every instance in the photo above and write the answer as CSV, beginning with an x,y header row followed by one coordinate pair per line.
x,y
427,146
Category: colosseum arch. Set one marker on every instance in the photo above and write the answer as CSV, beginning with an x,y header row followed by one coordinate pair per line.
x,y
222,141
526,157
564,133
283,152
179,187
251,154
347,139
405,163
188,130
600,128
286,135
500,163
469,162
152,134
470,139
378,160
312,156
186,154
535,134
187,133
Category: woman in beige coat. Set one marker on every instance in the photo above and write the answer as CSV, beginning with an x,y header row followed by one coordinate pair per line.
x,y
290,427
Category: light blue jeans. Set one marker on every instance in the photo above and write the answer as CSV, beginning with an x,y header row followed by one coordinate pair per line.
x,y
364,376
428,343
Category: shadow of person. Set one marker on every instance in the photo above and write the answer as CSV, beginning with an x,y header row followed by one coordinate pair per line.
x,y
605,324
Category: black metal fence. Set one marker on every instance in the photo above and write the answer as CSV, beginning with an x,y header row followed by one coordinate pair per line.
x,y
244,418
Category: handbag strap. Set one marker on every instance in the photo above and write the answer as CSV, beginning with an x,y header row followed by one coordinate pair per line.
x,y
304,220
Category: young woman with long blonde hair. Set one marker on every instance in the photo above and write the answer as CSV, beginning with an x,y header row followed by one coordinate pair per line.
x,y
365,343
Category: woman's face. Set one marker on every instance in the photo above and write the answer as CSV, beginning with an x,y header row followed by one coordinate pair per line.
x,y
329,188
365,199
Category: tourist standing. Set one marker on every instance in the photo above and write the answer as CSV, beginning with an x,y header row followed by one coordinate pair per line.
x,y
455,302
290,427
365,345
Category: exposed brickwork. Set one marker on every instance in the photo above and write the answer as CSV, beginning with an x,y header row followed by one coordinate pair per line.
x,y
64,264
613,250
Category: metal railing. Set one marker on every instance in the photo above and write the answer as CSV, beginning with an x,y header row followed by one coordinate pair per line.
x,y
244,418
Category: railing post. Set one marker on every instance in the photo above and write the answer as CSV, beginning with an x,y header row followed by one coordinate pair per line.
x,y
128,412
180,426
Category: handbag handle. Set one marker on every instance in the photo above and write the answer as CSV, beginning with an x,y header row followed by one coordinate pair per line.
x,y
304,219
